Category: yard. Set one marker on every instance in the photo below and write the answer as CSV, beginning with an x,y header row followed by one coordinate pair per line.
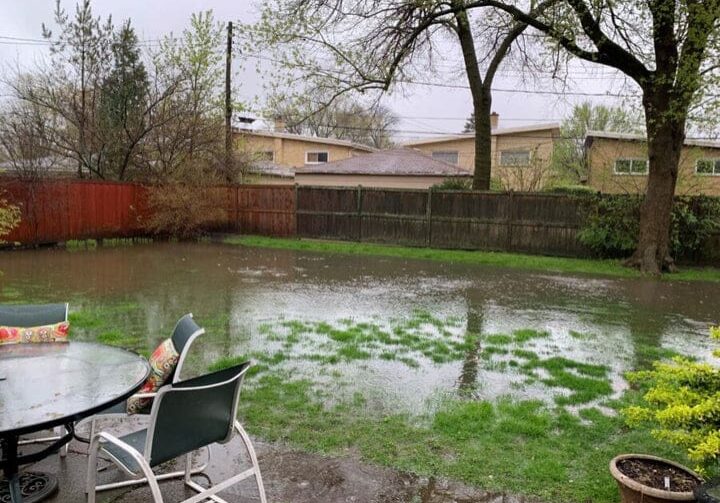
x,y
504,378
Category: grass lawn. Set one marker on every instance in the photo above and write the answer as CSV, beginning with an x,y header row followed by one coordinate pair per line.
x,y
556,450
596,267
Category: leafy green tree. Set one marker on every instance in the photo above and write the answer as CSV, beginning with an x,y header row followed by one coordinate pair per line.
x,y
569,162
190,142
81,52
123,100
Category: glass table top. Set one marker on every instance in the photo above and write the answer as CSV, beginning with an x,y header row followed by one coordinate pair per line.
x,y
48,382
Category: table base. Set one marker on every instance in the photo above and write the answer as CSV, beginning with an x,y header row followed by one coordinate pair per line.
x,y
34,486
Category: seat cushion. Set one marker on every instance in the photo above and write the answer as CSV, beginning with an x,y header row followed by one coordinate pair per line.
x,y
56,332
163,362
136,440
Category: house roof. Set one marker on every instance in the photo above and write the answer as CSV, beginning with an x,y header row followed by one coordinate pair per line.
x,y
268,168
610,135
495,132
397,162
300,137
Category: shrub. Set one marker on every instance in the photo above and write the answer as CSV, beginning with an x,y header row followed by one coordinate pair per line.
x,y
9,216
572,190
683,404
465,184
454,184
612,224
185,211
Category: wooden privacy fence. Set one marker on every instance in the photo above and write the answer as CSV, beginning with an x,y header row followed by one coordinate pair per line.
x,y
527,222
61,210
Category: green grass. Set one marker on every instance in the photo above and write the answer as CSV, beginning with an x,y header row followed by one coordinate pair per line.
x,y
521,447
528,447
612,268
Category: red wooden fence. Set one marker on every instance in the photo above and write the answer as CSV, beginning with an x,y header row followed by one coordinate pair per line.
x,y
61,210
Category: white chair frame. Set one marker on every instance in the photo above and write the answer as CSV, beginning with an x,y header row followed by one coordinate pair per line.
x,y
152,479
121,416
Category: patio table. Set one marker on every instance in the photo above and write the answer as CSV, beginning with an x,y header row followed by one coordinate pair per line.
x,y
52,384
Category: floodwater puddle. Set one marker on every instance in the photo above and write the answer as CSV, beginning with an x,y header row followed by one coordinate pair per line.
x,y
403,333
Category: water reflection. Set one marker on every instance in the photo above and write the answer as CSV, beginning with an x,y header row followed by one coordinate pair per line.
x,y
233,291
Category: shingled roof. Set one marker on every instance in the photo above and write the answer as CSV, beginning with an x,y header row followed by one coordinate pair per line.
x,y
396,162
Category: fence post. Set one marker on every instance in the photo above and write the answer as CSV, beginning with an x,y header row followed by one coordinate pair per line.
x,y
237,208
428,217
359,212
297,228
510,220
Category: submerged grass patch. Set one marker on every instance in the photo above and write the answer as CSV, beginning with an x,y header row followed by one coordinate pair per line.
x,y
510,260
420,334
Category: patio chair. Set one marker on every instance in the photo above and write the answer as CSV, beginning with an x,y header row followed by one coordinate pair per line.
x,y
36,315
183,335
185,416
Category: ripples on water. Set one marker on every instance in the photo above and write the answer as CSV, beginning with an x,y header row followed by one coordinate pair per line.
x,y
235,291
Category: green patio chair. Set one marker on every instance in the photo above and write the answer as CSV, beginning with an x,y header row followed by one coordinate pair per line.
x,y
186,416
35,315
184,334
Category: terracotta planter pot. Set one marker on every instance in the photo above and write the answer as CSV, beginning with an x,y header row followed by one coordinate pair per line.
x,y
632,491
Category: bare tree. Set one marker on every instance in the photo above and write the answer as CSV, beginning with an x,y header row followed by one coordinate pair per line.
x,y
670,49
340,48
343,118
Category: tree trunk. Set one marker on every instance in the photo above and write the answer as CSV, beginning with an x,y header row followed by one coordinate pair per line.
x,y
483,140
666,136
481,97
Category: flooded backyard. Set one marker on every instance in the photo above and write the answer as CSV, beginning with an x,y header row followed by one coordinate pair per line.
x,y
404,334
506,380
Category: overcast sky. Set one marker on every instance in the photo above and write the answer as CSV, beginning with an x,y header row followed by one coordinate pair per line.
x,y
423,111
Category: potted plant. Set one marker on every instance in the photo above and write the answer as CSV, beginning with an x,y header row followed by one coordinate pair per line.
x,y
650,479
683,405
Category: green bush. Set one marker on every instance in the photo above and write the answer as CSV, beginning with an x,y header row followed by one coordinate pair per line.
x,y
454,184
682,405
572,190
612,224
465,184
9,216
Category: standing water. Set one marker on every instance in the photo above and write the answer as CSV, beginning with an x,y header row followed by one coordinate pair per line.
x,y
402,332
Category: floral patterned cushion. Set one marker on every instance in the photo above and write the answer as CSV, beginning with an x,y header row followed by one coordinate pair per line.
x,y
162,364
57,332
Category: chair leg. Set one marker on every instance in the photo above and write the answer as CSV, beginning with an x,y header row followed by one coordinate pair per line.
x,y
253,457
93,450
92,468
61,431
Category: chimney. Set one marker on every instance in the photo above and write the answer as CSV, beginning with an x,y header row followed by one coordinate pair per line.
x,y
494,120
279,124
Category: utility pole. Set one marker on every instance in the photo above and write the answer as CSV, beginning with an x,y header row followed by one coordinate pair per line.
x,y
228,105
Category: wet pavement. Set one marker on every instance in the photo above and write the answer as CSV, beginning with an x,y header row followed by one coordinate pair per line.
x,y
289,476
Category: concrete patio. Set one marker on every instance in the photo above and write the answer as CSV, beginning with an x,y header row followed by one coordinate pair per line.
x,y
290,477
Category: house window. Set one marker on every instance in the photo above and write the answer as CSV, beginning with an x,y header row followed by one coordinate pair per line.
x,y
265,155
316,157
449,156
707,167
631,167
514,158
